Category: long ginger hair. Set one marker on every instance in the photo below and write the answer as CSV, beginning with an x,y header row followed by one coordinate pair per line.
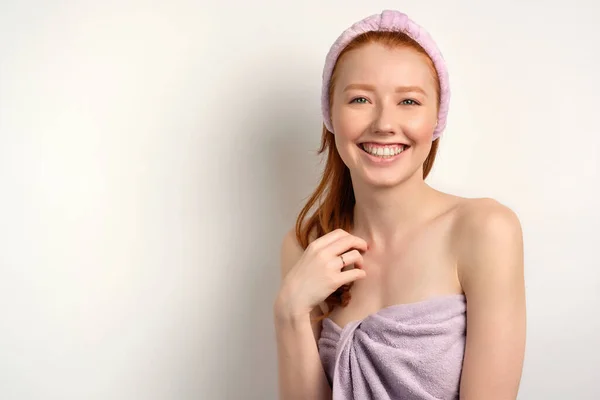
x,y
334,196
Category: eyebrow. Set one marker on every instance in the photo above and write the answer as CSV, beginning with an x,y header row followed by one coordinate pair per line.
x,y
399,89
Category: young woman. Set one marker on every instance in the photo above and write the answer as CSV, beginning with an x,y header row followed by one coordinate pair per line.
x,y
438,301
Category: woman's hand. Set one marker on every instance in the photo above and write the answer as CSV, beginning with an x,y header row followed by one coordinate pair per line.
x,y
319,272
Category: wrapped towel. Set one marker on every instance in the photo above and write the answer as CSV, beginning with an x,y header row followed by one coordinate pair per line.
x,y
407,351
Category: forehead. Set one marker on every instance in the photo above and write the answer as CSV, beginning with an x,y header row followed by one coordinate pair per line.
x,y
380,65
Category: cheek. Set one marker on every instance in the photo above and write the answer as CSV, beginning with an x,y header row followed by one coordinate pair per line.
x,y
348,125
420,127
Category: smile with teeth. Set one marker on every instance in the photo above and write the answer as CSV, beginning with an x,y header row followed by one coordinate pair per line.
x,y
383,151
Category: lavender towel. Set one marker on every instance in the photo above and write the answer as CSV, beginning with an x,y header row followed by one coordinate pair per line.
x,y
406,351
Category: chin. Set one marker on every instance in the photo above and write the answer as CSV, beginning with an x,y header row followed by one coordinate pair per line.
x,y
383,180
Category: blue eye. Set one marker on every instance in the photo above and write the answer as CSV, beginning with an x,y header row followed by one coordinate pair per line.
x,y
409,102
359,100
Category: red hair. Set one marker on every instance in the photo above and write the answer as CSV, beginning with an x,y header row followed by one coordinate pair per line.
x,y
334,195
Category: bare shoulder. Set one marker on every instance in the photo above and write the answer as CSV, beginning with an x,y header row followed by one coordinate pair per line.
x,y
485,218
290,252
487,230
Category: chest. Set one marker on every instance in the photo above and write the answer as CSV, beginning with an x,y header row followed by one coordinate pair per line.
x,y
413,269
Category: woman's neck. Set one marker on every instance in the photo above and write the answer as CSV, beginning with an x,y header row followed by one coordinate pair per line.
x,y
381,215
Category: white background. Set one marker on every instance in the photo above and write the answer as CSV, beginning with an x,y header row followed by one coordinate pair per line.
x,y
152,155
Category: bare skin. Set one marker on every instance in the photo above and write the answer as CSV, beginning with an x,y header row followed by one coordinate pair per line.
x,y
411,242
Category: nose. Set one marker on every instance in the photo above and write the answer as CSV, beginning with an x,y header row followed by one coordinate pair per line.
x,y
383,123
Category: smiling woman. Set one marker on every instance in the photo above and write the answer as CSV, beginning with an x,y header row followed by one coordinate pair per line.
x,y
401,87
438,299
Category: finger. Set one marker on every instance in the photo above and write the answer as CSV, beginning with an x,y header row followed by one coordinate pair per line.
x,y
347,243
350,276
347,259
329,238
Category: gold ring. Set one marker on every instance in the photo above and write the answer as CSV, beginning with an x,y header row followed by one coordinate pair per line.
x,y
343,262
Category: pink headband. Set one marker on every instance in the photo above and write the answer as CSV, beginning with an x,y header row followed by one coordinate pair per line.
x,y
395,21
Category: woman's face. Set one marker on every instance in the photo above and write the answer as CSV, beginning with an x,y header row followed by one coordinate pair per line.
x,y
384,113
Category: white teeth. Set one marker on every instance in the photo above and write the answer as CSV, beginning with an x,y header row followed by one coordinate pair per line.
x,y
383,151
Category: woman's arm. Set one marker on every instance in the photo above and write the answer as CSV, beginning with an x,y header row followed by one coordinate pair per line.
x,y
301,374
491,273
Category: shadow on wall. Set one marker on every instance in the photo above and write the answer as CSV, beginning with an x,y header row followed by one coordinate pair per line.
x,y
276,171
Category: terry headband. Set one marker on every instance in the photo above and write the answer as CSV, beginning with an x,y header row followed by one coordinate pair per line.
x,y
394,21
